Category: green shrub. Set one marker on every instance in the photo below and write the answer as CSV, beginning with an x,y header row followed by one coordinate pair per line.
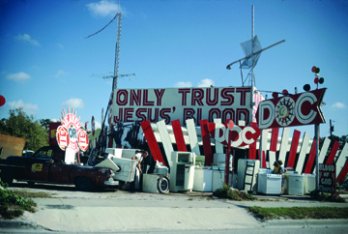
x,y
13,205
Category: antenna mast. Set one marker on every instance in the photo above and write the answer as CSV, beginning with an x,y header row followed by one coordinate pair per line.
x,y
117,50
252,77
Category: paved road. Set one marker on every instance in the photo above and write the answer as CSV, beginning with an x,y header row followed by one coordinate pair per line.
x,y
122,212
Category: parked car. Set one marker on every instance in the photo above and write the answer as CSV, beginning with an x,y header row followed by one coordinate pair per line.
x,y
47,165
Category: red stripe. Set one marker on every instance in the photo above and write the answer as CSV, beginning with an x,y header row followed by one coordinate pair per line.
x,y
179,136
208,152
274,139
331,159
152,142
311,159
293,149
264,160
252,150
342,176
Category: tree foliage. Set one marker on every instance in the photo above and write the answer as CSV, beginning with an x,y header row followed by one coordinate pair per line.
x,y
21,125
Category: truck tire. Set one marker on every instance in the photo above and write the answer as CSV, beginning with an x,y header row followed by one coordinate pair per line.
x,y
83,184
163,185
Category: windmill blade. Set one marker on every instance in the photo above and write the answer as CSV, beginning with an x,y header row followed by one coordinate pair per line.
x,y
228,67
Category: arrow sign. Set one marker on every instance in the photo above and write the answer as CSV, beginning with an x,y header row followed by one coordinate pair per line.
x,y
291,110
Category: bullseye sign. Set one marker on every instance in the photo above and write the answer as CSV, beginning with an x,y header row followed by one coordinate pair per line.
x,y
291,110
71,135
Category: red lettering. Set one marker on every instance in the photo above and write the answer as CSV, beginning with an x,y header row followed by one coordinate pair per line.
x,y
197,96
135,97
227,94
184,93
159,94
212,101
121,97
146,102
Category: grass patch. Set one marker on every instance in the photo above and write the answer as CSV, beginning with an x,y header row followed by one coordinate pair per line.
x,y
13,205
232,194
29,194
265,213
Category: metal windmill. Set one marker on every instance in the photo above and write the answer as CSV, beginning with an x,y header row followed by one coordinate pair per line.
x,y
252,50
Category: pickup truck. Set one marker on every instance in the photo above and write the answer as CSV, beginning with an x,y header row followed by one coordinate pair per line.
x,y
47,165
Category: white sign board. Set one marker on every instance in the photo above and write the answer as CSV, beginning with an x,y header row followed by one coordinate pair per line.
x,y
130,105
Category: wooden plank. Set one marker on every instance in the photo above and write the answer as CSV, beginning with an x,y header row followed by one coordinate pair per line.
x,y
219,148
342,175
252,150
293,149
152,142
341,159
284,144
274,139
166,142
311,159
208,151
303,152
191,129
331,158
179,136
323,151
264,145
271,158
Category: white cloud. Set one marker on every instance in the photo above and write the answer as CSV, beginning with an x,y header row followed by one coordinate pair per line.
x,y
339,105
206,83
19,76
28,108
104,8
26,38
183,84
74,103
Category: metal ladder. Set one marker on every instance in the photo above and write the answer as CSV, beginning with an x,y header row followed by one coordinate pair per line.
x,y
249,175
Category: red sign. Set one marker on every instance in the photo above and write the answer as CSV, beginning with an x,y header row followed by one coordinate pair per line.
x,y
291,110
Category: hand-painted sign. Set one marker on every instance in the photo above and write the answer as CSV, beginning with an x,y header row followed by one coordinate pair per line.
x,y
327,178
131,105
239,135
291,110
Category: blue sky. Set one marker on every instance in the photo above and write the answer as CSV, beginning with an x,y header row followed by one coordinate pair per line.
x,y
47,64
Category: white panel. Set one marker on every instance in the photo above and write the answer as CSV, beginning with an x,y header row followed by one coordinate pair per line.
x,y
303,152
341,159
272,158
191,129
219,148
167,144
284,144
265,137
323,151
